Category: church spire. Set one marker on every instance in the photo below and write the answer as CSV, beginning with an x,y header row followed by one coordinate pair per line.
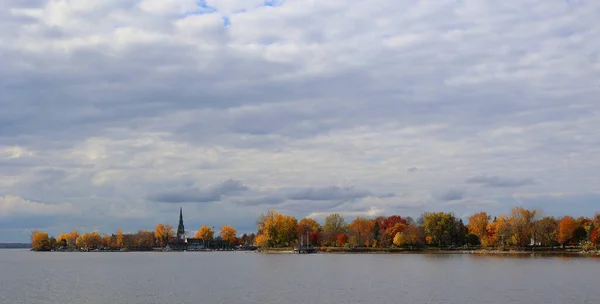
x,y
180,227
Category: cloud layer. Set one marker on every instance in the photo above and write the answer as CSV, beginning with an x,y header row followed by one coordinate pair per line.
x,y
112,109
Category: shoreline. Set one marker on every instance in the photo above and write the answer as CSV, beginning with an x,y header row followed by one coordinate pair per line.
x,y
437,251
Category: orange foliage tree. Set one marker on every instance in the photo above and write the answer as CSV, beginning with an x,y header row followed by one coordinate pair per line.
x,y
261,241
478,225
163,234
205,233
566,230
228,233
360,230
342,240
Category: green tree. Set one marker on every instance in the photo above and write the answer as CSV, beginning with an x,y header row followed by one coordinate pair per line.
x,y
438,227
334,225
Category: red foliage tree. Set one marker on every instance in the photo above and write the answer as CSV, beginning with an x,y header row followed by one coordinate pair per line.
x,y
595,237
342,239
314,238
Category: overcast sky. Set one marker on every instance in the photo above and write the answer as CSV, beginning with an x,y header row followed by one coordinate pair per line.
x,y
115,113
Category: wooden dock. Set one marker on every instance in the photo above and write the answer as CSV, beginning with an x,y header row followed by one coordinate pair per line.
x,y
304,249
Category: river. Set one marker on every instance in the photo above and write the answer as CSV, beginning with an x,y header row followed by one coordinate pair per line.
x,y
241,277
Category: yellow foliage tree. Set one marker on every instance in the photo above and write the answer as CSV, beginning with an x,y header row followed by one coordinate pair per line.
x,y
410,236
522,221
279,229
228,233
106,241
205,233
93,239
73,236
119,238
40,241
81,241
62,240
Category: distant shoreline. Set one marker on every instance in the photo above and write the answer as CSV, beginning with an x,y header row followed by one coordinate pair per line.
x,y
335,250
15,246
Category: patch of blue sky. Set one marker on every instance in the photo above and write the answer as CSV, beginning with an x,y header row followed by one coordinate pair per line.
x,y
274,2
226,21
202,9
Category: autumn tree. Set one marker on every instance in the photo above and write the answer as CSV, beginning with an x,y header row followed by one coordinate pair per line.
x,y
261,241
163,234
595,237
375,232
500,231
546,231
145,239
228,233
341,240
81,241
106,241
478,225
360,229
94,239
40,241
279,230
388,227
205,233
308,225
120,240
73,236
334,225
566,230
438,227
411,236
522,224
62,240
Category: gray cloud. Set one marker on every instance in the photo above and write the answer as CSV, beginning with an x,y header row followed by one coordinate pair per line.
x,y
412,169
195,195
499,182
450,195
328,193
318,197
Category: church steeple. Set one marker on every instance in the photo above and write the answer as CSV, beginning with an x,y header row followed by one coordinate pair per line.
x,y
180,227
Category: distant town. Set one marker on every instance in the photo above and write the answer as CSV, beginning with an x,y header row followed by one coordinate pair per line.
x,y
521,230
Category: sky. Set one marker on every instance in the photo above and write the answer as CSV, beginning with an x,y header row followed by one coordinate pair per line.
x,y
116,113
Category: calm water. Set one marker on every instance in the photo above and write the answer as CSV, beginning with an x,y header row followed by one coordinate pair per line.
x,y
236,277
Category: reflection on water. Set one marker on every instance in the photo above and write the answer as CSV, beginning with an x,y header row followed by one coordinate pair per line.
x,y
235,277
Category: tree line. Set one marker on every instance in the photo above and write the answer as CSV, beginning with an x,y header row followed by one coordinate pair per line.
x,y
521,228
162,236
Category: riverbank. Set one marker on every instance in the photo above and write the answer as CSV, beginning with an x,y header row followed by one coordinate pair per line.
x,y
514,251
